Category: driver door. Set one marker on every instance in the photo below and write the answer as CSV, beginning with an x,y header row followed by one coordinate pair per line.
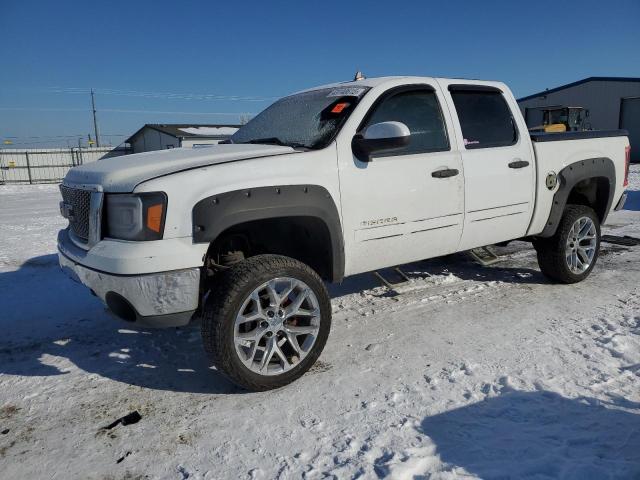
x,y
399,207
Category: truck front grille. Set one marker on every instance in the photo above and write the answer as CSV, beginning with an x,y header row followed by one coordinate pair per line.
x,y
78,204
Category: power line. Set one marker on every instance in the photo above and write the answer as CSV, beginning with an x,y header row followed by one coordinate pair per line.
x,y
131,93
64,136
165,95
51,139
28,109
48,142
117,110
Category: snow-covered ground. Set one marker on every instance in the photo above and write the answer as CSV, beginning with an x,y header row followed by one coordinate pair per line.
x,y
471,372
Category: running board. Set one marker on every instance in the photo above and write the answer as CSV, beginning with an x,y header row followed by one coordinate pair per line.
x,y
391,285
484,256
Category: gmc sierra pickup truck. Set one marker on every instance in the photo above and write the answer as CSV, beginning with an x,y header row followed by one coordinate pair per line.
x,y
329,182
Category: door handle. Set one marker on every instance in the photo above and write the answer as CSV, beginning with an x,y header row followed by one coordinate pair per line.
x,y
519,164
445,173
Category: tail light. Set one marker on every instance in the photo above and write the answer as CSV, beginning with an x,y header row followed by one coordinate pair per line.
x,y
627,161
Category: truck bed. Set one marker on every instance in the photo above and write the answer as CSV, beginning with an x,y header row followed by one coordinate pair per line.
x,y
560,136
552,158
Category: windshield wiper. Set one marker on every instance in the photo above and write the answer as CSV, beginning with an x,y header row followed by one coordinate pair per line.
x,y
268,141
276,141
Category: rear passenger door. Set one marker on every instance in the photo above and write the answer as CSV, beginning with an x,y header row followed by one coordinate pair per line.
x,y
498,164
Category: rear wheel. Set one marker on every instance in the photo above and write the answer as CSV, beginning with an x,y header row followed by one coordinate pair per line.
x,y
571,253
266,321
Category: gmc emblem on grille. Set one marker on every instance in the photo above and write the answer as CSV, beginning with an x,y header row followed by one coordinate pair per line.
x,y
66,210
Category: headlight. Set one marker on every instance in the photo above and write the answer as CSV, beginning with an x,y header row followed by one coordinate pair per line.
x,y
138,216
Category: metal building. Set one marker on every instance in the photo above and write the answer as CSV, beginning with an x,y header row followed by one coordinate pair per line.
x,y
613,102
163,136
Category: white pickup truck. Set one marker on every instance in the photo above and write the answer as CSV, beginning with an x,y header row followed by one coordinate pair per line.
x,y
325,183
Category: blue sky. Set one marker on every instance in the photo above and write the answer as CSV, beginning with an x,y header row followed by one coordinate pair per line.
x,y
246,53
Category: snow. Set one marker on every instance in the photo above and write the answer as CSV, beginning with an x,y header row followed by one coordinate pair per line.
x,y
470,372
210,131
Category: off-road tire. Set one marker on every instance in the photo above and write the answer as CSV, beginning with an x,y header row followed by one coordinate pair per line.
x,y
228,290
551,251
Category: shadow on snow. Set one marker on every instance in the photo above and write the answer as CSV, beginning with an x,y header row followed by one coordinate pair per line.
x,y
47,315
459,265
50,315
539,435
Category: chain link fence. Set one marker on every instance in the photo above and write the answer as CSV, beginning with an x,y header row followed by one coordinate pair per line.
x,y
48,165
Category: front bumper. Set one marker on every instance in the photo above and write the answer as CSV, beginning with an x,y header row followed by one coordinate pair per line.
x,y
164,299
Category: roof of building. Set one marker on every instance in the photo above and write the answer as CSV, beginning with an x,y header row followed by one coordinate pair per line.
x,y
580,82
192,130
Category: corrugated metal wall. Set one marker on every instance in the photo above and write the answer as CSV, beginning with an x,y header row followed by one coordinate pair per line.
x,y
150,139
602,98
630,121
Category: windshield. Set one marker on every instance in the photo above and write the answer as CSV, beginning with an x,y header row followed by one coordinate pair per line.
x,y
309,119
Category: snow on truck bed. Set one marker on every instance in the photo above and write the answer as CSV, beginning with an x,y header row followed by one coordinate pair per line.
x,y
471,373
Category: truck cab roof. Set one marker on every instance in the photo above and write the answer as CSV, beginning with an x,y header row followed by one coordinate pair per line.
x,y
396,80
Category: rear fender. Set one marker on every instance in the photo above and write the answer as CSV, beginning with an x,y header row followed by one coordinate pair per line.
x,y
569,177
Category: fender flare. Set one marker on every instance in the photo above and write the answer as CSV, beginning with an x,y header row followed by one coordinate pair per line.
x,y
213,215
569,177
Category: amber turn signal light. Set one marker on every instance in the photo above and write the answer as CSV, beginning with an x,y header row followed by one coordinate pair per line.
x,y
154,217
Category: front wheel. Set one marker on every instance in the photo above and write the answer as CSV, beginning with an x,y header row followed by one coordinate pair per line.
x,y
571,253
266,321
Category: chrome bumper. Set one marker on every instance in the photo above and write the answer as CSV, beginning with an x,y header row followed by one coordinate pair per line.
x,y
165,299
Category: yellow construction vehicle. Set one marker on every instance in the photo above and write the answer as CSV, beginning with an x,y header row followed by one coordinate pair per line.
x,y
563,119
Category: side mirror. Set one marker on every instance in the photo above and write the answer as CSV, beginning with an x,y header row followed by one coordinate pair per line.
x,y
380,137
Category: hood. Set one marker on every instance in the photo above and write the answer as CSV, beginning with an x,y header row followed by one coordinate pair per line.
x,y
124,173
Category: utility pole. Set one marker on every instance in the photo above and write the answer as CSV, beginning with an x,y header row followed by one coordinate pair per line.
x,y
95,120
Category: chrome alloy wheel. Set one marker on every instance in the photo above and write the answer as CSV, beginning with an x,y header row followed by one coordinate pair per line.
x,y
277,326
581,245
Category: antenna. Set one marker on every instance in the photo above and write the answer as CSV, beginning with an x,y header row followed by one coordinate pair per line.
x,y
359,76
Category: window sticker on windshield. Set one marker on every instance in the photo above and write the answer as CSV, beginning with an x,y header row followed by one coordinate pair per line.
x,y
339,107
347,92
